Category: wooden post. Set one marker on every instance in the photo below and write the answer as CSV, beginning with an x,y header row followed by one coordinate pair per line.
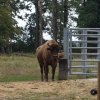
x,y
63,69
98,80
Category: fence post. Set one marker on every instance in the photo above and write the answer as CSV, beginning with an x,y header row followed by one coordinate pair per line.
x,y
84,50
98,80
66,42
63,69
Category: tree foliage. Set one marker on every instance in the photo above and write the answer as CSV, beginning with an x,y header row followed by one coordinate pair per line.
x,y
8,26
89,14
50,16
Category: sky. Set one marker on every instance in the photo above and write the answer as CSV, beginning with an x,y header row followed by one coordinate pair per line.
x,y
22,23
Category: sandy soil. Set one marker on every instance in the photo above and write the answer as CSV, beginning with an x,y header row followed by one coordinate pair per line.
x,y
80,87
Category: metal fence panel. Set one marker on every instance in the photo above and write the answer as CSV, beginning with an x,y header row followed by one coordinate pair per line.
x,y
83,35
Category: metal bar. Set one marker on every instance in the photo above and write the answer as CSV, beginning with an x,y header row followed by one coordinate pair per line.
x,y
85,53
70,50
66,42
94,60
88,66
85,29
85,41
95,35
85,47
80,73
84,50
93,30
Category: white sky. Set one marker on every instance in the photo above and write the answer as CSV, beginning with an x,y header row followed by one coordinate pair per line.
x,y
22,23
46,36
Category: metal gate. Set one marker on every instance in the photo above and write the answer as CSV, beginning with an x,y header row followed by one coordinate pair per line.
x,y
82,52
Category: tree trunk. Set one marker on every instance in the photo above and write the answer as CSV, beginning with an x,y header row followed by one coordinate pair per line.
x,y
2,49
65,13
8,49
54,20
39,20
37,23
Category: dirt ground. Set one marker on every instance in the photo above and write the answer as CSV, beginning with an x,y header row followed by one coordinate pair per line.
x,y
72,89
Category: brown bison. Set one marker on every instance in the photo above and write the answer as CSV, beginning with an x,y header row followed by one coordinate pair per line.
x,y
47,54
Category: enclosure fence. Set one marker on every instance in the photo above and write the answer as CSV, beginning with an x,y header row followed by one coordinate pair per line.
x,y
82,50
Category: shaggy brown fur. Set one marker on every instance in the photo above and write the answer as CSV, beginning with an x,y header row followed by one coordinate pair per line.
x,y
47,54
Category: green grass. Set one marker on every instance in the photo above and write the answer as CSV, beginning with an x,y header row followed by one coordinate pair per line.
x,y
25,68
15,78
19,68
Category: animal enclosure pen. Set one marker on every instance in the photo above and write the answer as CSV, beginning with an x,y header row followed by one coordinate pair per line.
x,y
82,53
87,47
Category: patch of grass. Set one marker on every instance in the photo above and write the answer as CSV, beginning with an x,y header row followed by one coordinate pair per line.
x,y
38,96
15,78
47,96
24,68
19,68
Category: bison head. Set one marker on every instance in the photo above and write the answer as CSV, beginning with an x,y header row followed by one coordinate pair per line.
x,y
52,46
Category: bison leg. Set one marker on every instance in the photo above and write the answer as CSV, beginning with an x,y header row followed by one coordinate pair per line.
x,y
41,69
46,72
53,73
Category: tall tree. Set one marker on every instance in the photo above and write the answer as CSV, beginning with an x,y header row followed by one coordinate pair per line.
x,y
65,12
8,26
30,28
54,18
89,14
39,21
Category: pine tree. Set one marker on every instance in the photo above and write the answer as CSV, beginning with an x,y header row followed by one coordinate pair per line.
x,y
89,14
